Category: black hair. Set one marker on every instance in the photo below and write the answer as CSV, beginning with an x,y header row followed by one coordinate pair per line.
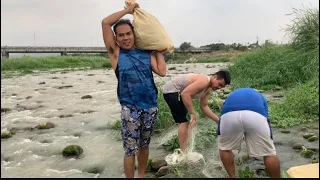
x,y
224,75
121,22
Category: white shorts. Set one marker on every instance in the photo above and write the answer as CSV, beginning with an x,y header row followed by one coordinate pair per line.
x,y
252,126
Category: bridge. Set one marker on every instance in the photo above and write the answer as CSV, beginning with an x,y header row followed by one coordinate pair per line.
x,y
6,50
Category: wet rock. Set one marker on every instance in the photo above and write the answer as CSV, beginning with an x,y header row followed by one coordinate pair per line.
x,y
46,125
314,149
157,164
6,135
65,87
278,143
307,135
91,74
46,141
313,138
8,158
172,68
297,146
87,112
54,78
13,130
278,95
164,170
5,110
304,129
86,97
72,151
306,153
77,134
97,169
42,82
285,131
28,128
28,97
14,94
65,115
29,107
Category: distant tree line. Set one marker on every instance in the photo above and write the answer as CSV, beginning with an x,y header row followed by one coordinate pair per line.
x,y
221,46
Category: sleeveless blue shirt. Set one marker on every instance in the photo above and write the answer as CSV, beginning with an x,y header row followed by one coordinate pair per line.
x,y
136,85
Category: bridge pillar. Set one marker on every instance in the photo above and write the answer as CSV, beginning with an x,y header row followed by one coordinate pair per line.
x,y
4,54
63,53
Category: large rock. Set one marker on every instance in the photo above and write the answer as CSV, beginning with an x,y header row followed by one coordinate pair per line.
x,y
13,130
6,135
313,138
46,125
4,110
86,97
157,164
307,135
164,170
285,131
72,151
297,146
306,153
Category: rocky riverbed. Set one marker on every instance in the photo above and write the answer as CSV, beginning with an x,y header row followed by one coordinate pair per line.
x,y
42,113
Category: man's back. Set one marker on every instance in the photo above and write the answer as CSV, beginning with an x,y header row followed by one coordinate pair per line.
x,y
246,99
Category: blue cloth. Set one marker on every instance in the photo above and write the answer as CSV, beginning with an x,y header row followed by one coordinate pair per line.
x,y
246,99
136,85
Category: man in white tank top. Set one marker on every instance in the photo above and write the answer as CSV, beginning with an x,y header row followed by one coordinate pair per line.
x,y
179,92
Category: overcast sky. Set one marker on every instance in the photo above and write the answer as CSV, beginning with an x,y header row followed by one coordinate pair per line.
x,y
201,22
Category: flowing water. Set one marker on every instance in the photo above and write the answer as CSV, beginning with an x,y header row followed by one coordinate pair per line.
x,y
57,97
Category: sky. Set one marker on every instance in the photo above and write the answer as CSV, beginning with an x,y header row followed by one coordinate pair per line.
x,y
201,22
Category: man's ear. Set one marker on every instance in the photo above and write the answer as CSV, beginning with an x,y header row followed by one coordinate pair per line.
x,y
214,76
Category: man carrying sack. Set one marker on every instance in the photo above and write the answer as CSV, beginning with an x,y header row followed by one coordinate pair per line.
x,y
136,90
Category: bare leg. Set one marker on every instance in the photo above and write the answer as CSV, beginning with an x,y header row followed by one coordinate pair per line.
x,y
142,161
272,164
128,164
183,135
228,162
